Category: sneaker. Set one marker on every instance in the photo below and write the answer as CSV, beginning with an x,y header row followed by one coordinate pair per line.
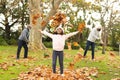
x,y
62,75
93,60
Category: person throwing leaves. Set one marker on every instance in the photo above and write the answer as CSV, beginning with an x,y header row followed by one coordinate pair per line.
x,y
94,34
58,42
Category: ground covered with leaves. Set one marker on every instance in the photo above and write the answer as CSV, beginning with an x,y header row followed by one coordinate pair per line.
x,y
38,65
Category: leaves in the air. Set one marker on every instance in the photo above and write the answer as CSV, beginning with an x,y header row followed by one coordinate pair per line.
x,y
35,17
81,26
43,23
77,57
75,44
57,19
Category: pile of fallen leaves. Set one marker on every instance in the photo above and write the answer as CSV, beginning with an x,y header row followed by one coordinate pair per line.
x,y
45,73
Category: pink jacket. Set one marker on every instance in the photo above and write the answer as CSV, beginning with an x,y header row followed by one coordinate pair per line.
x,y
58,41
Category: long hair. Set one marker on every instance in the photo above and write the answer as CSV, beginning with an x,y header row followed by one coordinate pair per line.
x,y
55,32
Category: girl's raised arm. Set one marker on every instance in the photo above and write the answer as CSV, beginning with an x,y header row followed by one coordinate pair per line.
x,y
46,33
70,34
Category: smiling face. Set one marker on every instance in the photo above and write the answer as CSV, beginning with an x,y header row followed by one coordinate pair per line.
x,y
59,31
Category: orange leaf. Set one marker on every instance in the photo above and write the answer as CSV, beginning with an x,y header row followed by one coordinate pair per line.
x,y
77,57
43,23
75,44
36,16
34,22
71,66
81,26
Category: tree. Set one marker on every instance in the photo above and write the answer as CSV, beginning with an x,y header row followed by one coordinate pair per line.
x,y
11,10
108,17
39,21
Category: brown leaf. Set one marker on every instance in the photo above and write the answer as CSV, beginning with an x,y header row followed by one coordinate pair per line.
x,y
112,54
77,57
43,23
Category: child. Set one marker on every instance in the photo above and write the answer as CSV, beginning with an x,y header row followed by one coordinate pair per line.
x,y
58,42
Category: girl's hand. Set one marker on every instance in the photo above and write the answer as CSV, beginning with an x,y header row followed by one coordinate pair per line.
x,y
39,30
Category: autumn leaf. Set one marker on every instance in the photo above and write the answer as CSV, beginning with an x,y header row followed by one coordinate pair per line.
x,y
75,44
116,79
73,1
57,19
81,26
43,23
112,54
93,71
71,66
69,45
77,57
81,49
34,22
35,17
45,73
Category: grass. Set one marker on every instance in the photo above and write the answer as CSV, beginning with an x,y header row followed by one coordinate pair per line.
x,y
107,65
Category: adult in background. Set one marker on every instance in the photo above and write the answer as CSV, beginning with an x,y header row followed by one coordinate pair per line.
x,y
94,34
23,41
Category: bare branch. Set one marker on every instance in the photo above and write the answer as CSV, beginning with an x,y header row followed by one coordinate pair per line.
x,y
14,23
53,11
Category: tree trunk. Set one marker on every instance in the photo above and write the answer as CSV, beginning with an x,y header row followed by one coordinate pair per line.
x,y
7,30
104,40
39,22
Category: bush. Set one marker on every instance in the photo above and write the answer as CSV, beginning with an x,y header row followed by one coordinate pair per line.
x,y
2,41
13,41
48,44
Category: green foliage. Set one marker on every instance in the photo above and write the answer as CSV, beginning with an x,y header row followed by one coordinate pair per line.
x,y
48,44
13,41
75,47
2,41
46,55
115,38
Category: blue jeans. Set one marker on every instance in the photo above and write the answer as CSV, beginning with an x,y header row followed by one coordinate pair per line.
x,y
54,59
92,44
20,44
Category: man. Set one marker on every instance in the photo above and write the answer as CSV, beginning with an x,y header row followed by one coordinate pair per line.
x,y
94,34
23,41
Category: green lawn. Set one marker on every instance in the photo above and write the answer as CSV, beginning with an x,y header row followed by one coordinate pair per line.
x,y
108,65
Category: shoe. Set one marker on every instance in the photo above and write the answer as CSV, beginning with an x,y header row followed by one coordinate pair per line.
x,y
62,75
93,60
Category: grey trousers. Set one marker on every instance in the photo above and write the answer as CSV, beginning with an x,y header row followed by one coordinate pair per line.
x,y
58,54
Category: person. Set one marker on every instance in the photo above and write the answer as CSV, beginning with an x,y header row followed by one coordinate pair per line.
x,y
58,42
23,41
94,34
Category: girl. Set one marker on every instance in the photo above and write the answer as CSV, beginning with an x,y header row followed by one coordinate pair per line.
x,y
58,42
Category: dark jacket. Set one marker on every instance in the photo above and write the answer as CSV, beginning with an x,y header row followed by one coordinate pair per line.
x,y
24,35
